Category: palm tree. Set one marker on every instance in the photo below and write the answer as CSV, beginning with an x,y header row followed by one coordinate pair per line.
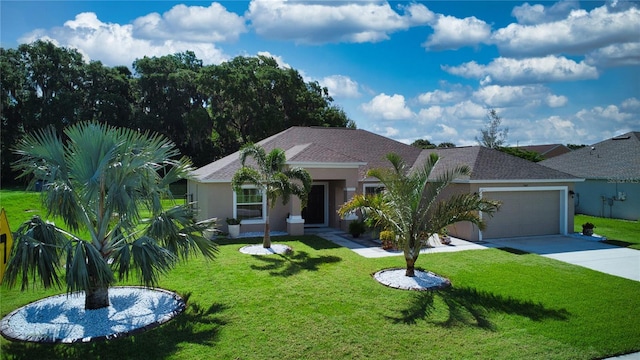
x,y
99,180
410,205
273,178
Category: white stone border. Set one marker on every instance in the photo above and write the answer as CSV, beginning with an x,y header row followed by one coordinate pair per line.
x,y
423,280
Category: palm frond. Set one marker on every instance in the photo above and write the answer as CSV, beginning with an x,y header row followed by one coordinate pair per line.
x,y
151,260
86,267
35,254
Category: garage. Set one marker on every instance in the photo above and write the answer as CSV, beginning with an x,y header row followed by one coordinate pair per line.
x,y
526,211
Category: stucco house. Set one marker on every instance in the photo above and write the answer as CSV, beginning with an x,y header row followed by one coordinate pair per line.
x,y
611,169
535,198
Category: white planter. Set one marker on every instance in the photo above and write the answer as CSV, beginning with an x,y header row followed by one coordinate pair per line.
x,y
234,231
209,233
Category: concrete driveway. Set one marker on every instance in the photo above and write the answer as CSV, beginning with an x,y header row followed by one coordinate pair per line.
x,y
591,254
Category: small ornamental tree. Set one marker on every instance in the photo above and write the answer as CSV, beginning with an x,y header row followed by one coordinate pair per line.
x,y
98,179
274,179
410,205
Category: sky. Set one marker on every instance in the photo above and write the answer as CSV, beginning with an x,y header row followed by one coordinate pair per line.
x,y
556,72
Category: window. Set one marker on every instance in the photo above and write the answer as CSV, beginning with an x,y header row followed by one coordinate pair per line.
x,y
372,189
250,204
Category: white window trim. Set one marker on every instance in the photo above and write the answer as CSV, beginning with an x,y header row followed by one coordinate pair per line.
x,y
264,206
563,193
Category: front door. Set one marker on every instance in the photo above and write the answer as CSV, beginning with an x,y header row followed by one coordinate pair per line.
x,y
315,212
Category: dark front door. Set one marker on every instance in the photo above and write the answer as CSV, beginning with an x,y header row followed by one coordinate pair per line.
x,y
313,214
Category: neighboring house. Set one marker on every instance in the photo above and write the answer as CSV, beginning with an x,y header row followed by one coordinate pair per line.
x,y
612,172
547,151
535,198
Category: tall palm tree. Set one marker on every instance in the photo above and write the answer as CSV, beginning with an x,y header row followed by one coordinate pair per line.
x,y
99,179
410,205
273,177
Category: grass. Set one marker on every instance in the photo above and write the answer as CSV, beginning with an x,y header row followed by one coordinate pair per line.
x,y
618,232
320,302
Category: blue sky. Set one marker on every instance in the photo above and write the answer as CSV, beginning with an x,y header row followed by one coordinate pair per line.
x,y
556,72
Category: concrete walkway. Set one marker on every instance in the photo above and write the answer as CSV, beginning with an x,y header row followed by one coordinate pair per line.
x,y
369,249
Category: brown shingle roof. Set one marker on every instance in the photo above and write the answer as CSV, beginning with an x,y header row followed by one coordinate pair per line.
x,y
369,150
493,165
617,158
319,145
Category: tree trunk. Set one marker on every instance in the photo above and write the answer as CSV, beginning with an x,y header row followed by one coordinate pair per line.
x,y
266,243
410,267
96,297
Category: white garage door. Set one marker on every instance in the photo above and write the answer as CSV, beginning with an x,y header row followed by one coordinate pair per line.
x,y
524,213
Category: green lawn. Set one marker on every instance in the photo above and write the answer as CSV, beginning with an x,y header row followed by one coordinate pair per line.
x,y
320,302
618,232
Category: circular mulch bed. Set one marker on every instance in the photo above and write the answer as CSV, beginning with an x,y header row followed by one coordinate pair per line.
x,y
423,280
63,319
260,250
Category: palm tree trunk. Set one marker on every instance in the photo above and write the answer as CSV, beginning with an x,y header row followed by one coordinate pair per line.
x,y
96,297
410,267
266,243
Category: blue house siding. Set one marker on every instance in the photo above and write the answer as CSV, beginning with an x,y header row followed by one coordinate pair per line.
x,y
602,198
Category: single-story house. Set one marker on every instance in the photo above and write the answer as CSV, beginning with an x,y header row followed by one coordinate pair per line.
x,y
535,198
611,169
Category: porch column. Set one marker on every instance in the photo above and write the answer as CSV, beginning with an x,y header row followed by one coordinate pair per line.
x,y
349,192
295,222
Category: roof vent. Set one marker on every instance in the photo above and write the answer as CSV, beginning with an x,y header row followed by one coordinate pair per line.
x,y
622,138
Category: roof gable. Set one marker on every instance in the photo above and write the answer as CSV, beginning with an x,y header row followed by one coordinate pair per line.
x,y
617,158
319,145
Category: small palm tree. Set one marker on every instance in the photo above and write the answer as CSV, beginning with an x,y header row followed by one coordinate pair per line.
x,y
409,205
98,180
273,178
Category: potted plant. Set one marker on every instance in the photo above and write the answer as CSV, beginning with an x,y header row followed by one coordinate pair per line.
x,y
234,227
445,239
356,228
388,239
587,229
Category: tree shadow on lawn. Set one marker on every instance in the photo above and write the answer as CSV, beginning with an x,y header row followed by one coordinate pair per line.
x,y
196,325
312,241
470,307
288,265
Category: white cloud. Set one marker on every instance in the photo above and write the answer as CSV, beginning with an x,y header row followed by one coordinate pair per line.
x,y
525,71
327,22
431,114
452,33
555,101
521,96
388,107
631,104
441,97
191,24
114,44
579,33
615,55
538,14
341,86
607,113
463,111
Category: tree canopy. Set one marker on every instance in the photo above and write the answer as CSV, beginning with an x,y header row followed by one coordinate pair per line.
x,y
493,135
208,111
